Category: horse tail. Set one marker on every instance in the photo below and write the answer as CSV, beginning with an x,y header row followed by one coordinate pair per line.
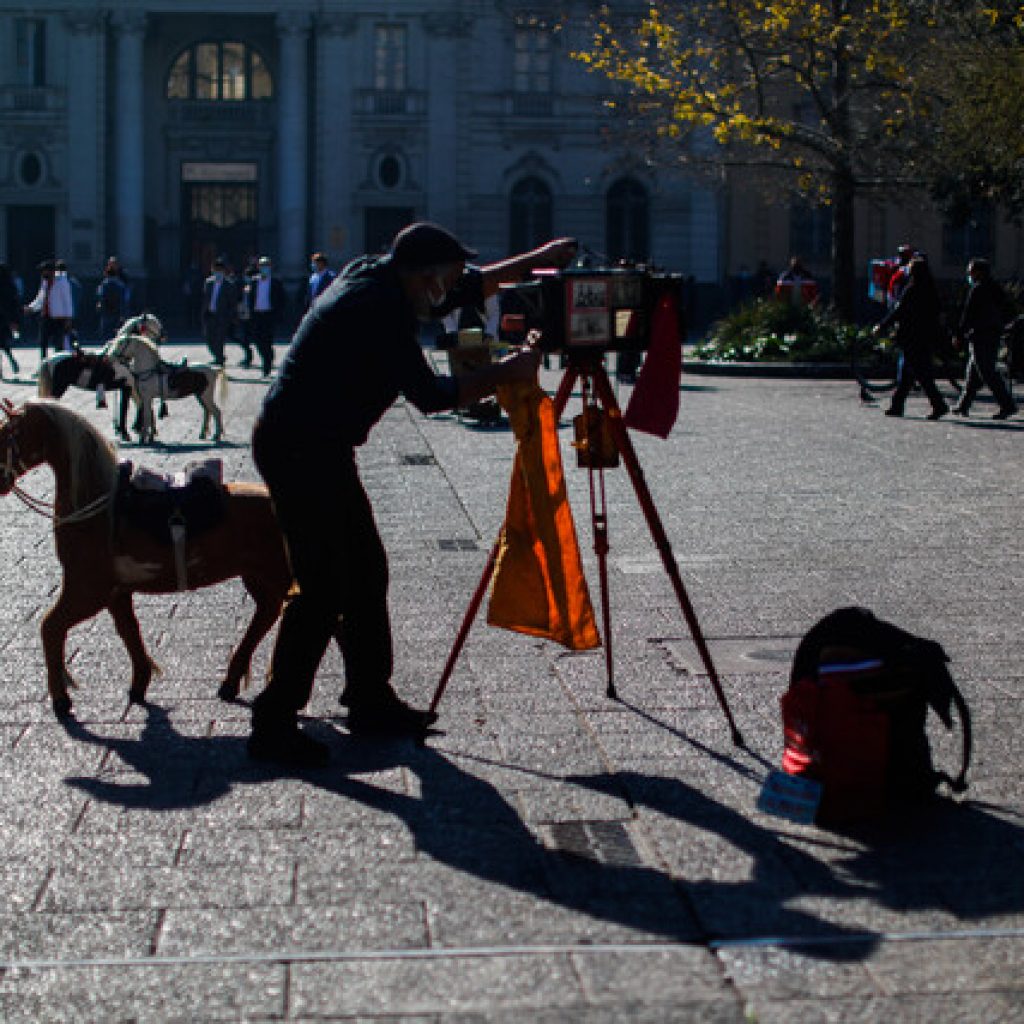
x,y
45,387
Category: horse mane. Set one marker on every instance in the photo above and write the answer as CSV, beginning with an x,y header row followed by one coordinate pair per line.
x,y
92,461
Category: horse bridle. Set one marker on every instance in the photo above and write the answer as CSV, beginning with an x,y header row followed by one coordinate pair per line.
x,y
12,466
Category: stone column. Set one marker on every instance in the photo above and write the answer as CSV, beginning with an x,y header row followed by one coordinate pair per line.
x,y
444,31
336,232
292,143
129,172
85,159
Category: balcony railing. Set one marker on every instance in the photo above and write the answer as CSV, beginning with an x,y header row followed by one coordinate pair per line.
x,y
196,113
31,99
390,103
531,104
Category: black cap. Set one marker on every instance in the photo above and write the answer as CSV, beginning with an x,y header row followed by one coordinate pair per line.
x,y
428,245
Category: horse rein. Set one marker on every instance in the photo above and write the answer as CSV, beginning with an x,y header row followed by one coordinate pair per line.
x,y
13,466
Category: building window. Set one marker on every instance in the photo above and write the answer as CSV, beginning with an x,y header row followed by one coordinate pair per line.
x,y
965,238
30,51
810,232
222,71
530,214
389,171
30,169
389,58
628,221
532,55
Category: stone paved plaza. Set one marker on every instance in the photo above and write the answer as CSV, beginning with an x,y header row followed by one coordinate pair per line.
x,y
550,854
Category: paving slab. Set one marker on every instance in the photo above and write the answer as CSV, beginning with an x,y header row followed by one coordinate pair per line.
x,y
551,853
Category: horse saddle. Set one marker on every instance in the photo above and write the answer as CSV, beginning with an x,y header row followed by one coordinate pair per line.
x,y
182,379
168,506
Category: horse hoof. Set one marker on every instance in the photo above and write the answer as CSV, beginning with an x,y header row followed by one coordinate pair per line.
x,y
62,707
228,691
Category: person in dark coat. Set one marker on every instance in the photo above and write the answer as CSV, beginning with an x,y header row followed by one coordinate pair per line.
x,y
220,307
111,302
916,316
356,350
981,324
10,312
265,300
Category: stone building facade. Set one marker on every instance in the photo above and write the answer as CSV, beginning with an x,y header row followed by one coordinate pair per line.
x,y
168,131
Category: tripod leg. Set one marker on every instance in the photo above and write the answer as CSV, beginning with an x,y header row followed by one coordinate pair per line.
x,y
599,523
467,623
636,475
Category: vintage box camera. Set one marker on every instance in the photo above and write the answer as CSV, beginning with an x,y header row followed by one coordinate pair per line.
x,y
603,309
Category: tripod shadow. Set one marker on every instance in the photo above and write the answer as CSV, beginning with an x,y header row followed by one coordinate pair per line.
x,y
462,821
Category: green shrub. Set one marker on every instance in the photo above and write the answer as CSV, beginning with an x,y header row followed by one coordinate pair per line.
x,y
766,330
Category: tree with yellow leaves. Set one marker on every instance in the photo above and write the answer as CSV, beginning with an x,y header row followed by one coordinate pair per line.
x,y
825,93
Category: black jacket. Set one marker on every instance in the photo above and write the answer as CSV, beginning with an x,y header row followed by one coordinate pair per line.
x,y
985,312
916,316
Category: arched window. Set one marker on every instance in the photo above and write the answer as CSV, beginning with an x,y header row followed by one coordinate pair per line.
x,y
530,214
227,70
627,220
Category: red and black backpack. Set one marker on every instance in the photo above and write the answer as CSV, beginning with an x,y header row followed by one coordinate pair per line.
x,y
854,716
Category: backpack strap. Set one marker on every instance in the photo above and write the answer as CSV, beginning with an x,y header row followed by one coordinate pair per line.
x,y
959,784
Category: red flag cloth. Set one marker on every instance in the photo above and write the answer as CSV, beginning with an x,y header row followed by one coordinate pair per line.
x,y
654,404
538,586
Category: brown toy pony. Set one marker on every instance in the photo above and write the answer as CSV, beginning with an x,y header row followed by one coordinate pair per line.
x,y
106,561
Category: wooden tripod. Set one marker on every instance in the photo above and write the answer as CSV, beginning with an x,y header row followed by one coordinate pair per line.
x,y
588,369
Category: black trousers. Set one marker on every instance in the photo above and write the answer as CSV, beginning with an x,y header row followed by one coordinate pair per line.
x,y
341,570
51,332
261,330
916,365
215,330
981,369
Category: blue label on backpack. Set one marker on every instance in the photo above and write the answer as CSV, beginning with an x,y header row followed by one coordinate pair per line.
x,y
791,797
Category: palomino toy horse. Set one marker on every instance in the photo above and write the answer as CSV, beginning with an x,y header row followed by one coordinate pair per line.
x,y
106,560
136,346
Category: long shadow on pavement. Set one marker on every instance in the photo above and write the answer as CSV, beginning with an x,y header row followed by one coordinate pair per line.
x,y
956,858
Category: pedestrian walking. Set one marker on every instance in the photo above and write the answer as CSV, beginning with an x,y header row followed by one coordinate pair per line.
x,y
10,310
220,308
54,308
265,301
917,318
111,303
981,325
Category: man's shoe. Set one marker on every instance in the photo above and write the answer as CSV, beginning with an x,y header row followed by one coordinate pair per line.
x,y
937,414
893,412
389,717
289,747
959,410
1005,413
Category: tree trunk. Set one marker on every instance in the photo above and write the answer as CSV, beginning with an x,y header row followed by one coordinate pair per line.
x,y
843,270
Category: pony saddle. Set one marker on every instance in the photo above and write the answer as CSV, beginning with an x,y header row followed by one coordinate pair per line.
x,y
165,505
183,380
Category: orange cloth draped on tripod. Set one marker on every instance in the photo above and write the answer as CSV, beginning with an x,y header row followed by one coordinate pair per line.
x,y
538,586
